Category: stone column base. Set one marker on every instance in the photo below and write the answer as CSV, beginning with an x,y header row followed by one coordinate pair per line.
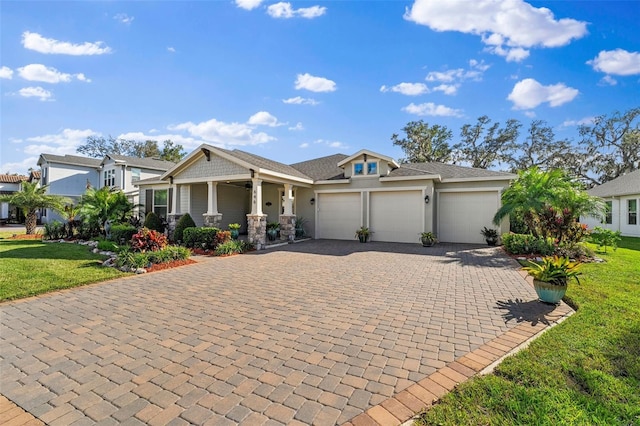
x,y
257,229
212,220
172,220
287,227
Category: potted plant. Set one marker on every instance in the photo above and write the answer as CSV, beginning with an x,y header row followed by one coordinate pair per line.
x,y
234,228
300,221
362,234
272,230
551,276
490,235
428,239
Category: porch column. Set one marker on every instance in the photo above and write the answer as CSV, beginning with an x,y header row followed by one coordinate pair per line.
x,y
212,218
288,199
257,220
174,211
287,219
175,204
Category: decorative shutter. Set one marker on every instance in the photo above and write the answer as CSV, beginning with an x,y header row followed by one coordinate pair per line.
x,y
170,200
148,201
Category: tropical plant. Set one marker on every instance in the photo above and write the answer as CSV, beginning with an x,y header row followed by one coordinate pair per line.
x,y
70,214
185,221
300,222
554,270
490,235
528,244
99,205
53,230
234,226
30,199
148,240
428,238
229,247
549,203
605,237
363,233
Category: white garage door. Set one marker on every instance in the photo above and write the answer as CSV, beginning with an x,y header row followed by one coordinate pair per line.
x,y
397,216
462,215
339,215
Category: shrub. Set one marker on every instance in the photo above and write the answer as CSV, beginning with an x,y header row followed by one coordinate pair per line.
x,y
148,240
169,254
204,238
122,232
106,245
221,238
131,259
54,230
153,222
577,251
233,247
528,244
605,237
184,222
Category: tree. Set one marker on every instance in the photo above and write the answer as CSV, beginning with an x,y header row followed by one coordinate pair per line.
x,y
483,146
99,205
99,147
30,199
549,203
424,143
612,145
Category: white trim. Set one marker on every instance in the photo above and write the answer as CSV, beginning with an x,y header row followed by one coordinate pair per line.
x,y
369,153
483,189
367,219
284,176
213,179
479,179
417,177
331,182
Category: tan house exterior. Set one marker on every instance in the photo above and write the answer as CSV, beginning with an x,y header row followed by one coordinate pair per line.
x,y
336,195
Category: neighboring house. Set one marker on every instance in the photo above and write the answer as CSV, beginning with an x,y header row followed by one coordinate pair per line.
x,y
10,184
622,196
71,175
335,194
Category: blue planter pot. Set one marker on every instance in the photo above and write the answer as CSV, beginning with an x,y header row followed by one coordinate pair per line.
x,y
549,293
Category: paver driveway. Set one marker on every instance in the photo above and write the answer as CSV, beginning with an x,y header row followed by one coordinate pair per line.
x,y
315,332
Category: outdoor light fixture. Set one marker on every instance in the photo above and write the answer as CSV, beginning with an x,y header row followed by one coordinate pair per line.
x,y
426,199
312,201
268,203
171,180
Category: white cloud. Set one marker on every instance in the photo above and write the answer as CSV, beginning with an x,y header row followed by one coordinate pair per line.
x,y
248,4
299,100
39,72
35,92
171,49
607,80
224,134
452,79
617,62
263,118
6,72
65,142
314,84
447,89
582,121
330,144
284,10
297,127
123,18
409,89
528,94
530,114
508,27
34,41
432,109
304,145
21,167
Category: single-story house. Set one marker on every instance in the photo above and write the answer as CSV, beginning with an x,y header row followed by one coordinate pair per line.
x,y
71,175
336,195
622,197
10,184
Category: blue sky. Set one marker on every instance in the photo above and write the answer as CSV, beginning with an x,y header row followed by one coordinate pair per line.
x,y
300,80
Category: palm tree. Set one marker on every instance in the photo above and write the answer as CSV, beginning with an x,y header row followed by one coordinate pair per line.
x,y
69,214
99,205
535,192
30,198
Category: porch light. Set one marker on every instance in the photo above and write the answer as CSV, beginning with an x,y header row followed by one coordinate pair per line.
x,y
312,201
426,199
268,203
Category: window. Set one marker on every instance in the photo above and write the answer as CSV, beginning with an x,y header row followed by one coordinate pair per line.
x,y
365,169
160,202
608,217
135,175
109,178
633,212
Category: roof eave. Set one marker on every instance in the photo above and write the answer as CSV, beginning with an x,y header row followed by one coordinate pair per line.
x,y
414,177
479,179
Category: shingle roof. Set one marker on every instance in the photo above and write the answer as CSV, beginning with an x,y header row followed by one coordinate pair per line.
x,y
145,163
71,159
453,171
265,163
12,178
324,168
623,185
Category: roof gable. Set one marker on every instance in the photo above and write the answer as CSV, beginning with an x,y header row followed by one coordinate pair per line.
x,y
74,160
143,163
324,168
366,154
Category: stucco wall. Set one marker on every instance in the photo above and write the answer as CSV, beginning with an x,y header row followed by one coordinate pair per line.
x,y
69,180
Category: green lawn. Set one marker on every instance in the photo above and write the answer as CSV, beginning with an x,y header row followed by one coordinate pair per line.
x,y
586,371
30,267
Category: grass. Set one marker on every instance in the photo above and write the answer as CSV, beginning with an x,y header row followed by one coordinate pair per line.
x,y
584,371
30,267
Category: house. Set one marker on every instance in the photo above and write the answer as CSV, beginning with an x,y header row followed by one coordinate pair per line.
x,y
335,194
10,184
71,175
622,197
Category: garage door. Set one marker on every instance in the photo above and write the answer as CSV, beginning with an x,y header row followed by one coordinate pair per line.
x,y
462,215
397,216
339,215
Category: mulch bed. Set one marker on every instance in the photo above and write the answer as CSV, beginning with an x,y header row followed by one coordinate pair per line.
x,y
169,265
25,237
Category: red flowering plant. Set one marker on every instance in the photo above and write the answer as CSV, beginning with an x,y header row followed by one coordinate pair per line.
x,y
221,238
148,240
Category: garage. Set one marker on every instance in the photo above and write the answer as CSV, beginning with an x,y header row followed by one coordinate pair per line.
x,y
462,215
396,216
339,215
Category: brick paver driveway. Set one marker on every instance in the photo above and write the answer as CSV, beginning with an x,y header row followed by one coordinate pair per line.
x,y
316,332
